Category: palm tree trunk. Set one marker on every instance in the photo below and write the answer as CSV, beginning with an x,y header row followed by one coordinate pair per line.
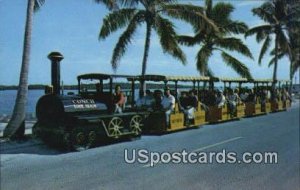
x,y
146,52
16,123
275,63
291,78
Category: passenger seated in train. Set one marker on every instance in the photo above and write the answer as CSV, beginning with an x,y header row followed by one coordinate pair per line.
x,y
183,101
145,101
186,106
275,95
168,104
220,99
233,100
269,94
193,99
202,97
149,99
140,101
285,95
157,95
251,98
211,98
118,99
263,95
244,95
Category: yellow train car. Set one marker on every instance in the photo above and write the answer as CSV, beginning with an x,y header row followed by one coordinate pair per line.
x,y
262,103
280,101
156,121
240,107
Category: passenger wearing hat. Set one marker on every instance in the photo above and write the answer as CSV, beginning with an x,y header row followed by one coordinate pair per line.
x,y
168,104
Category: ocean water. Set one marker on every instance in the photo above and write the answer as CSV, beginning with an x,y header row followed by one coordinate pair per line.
x,y
8,98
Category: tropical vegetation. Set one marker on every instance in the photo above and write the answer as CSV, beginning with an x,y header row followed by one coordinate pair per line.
x,y
222,40
134,13
277,20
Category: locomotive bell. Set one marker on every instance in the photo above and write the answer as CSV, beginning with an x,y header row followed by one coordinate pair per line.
x,y
55,58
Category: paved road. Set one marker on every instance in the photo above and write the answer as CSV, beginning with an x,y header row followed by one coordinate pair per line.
x,y
34,166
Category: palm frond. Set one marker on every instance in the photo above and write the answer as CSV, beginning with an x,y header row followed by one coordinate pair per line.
x,y
167,35
236,27
209,72
266,12
124,40
191,40
272,61
117,4
221,13
234,44
110,4
130,3
187,40
202,59
236,65
283,41
261,32
116,20
264,48
38,4
191,14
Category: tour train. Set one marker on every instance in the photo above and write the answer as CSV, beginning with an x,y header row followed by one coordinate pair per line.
x,y
89,117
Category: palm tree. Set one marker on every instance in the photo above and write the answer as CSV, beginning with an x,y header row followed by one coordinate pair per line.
x,y
220,40
292,51
150,12
17,121
293,8
275,14
293,46
16,125
295,55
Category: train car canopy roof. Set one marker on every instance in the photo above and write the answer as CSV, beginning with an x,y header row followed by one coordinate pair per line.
x,y
223,79
102,76
157,78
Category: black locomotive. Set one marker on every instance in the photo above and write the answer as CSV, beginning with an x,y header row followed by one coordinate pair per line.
x,y
82,120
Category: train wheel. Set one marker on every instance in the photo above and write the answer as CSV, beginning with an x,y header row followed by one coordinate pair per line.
x,y
115,126
92,138
79,140
136,124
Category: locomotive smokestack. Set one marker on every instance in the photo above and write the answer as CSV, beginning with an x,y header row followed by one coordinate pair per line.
x,y
55,58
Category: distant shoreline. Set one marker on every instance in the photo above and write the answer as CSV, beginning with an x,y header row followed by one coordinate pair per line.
x,y
35,87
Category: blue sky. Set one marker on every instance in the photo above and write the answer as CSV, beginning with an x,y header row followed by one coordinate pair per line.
x,y
72,28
